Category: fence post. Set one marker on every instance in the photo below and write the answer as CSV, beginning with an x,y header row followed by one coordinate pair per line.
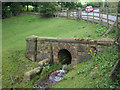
x,y
117,20
107,17
79,13
99,16
58,15
87,14
73,15
67,13
102,17
93,15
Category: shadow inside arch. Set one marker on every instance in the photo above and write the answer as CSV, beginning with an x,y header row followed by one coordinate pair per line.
x,y
64,56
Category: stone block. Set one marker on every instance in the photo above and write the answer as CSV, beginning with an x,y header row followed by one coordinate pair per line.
x,y
29,75
79,53
42,55
44,62
74,62
81,48
31,45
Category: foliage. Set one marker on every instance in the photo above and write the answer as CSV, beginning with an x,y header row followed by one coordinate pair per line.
x,y
16,8
93,73
16,29
49,68
91,4
47,9
119,7
70,5
11,9
95,4
35,5
6,10
78,4
100,30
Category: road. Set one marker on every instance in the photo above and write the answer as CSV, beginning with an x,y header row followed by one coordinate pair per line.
x,y
96,14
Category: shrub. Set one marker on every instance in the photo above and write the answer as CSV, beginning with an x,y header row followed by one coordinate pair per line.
x,y
100,30
48,9
6,10
16,8
119,7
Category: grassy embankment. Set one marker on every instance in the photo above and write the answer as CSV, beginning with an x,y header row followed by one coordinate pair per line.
x,y
16,29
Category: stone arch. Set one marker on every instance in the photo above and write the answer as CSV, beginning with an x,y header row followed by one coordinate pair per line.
x,y
64,56
68,46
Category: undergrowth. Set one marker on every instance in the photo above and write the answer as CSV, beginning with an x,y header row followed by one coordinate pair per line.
x,y
93,73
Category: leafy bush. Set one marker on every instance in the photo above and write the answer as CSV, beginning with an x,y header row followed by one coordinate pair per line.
x,y
48,9
6,11
16,8
119,7
104,62
100,30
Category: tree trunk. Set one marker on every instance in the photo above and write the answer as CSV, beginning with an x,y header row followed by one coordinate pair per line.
x,y
27,7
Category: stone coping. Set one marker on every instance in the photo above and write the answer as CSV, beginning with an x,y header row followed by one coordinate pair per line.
x,y
73,40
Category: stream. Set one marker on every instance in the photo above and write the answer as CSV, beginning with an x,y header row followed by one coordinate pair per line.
x,y
53,78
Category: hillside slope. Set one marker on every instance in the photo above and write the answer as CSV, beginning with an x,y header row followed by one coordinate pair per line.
x,y
93,73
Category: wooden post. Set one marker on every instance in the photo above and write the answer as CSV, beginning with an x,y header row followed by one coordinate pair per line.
x,y
67,13
102,17
107,17
117,20
87,14
99,16
93,15
73,15
110,28
79,13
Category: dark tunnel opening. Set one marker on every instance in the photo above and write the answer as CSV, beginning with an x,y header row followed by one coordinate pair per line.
x,y
64,56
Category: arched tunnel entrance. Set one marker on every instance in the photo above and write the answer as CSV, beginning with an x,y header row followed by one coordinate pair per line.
x,y
64,56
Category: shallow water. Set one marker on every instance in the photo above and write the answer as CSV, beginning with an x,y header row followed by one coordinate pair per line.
x,y
54,78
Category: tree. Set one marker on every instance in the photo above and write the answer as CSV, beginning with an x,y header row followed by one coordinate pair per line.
x,y
35,5
16,8
6,10
119,7
78,4
47,9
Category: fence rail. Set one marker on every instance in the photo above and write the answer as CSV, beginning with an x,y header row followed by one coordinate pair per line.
x,y
102,16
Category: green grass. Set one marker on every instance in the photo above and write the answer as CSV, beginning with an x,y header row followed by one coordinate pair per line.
x,y
84,75
16,29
